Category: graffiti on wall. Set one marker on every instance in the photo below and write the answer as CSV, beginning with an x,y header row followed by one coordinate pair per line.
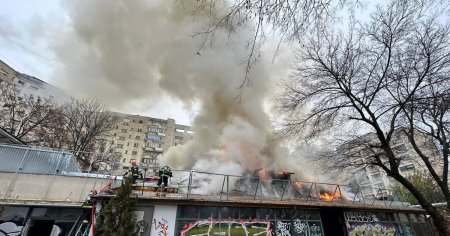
x,y
10,228
161,226
301,228
252,228
283,228
405,230
360,217
371,229
227,227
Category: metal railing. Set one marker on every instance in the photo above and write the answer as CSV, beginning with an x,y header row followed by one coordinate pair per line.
x,y
29,174
206,185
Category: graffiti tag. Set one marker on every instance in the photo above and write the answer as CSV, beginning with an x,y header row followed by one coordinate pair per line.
x,y
283,228
360,217
161,226
369,229
301,227
315,230
228,227
10,228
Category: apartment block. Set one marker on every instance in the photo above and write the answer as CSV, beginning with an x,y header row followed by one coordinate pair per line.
x,y
7,73
372,180
144,139
27,85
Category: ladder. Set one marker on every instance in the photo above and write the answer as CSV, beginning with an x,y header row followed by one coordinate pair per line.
x,y
84,232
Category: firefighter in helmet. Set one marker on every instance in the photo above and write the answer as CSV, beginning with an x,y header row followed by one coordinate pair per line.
x,y
87,206
135,173
164,174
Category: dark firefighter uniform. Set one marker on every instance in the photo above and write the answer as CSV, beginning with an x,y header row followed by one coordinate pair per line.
x,y
87,207
135,173
164,174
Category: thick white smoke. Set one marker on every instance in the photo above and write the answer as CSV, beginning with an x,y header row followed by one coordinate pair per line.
x,y
126,52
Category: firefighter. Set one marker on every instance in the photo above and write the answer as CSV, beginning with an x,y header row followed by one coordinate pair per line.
x,y
164,174
135,173
87,206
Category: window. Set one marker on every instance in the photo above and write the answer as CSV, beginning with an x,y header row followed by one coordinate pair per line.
x,y
399,148
152,144
155,137
178,137
134,153
123,130
156,130
121,138
119,146
378,185
136,145
138,137
126,151
376,178
407,168
139,130
141,121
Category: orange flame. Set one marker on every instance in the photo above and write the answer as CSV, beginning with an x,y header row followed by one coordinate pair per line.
x,y
328,196
298,184
281,173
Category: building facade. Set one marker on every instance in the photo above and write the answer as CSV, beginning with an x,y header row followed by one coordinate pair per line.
x,y
144,139
372,179
27,85
7,73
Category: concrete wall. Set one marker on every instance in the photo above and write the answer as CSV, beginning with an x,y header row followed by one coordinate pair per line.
x,y
40,187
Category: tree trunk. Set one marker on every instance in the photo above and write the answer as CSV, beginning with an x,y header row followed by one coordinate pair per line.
x,y
440,221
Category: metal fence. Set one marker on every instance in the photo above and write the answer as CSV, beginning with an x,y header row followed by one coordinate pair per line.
x,y
44,175
29,174
214,186
33,160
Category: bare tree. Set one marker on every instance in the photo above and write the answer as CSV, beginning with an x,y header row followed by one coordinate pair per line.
x,y
385,75
104,157
24,115
290,18
85,122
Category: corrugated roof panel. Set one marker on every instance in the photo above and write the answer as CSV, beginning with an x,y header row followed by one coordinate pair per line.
x,y
31,160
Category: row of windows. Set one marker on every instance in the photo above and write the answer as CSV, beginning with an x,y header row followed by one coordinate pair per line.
x,y
157,130
125,130
119,145
154,145
132,152
155,137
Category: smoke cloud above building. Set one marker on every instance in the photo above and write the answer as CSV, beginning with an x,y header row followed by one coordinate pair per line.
x,y
135,52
